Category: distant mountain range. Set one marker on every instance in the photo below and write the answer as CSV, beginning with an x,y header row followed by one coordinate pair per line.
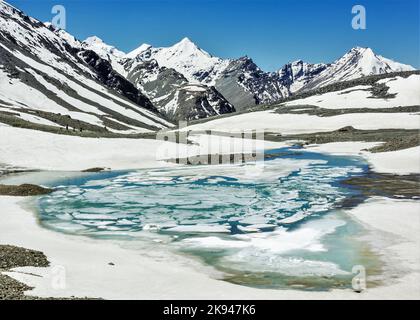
x,y
49,70
240,82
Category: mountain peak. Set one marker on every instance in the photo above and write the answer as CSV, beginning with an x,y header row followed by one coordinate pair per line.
x,y
93,39
186,40
361,54
358,48
7,7
136,52
297,62
143,47
103,49
356,63
379,63
362,51
186,45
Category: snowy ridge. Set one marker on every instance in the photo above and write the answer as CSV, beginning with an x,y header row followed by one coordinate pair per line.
x,y
137,52
153,77
356,63
185,57
46,80
242,82
402,91
173,95
296,75
8,8
105,51
96,44
178,80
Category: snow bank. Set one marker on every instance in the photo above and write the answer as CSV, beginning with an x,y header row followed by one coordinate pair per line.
x,y
399,162
304,123
47,151
407,90
405,161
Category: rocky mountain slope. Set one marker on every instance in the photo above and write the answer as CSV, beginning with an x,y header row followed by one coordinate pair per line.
x,y
356,63
165,76
185,57
99,86
171,92
245,85
377,103
298,74
48,81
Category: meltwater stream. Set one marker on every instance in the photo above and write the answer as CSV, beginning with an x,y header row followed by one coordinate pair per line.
x,y
279,226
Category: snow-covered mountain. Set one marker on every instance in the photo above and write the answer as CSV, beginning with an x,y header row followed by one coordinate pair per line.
x,y
173,95
356,63
388,101
178,80
49,81
296,75
126,91
104,50
185,57
244,84
240,81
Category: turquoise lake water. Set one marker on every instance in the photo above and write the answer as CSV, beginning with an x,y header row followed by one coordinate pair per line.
x,y
280,225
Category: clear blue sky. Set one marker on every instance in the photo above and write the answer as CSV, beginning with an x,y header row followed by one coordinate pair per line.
x,y
272,32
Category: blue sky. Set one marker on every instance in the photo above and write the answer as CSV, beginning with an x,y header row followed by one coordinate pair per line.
x,y
272,32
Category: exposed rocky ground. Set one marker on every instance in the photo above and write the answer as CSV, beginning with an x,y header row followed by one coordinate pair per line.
x,y
387,185
94,169
394,139
324,112
9,169
13,257
23,190
71,127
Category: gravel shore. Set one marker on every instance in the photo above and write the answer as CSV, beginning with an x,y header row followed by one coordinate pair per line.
x,y
24,190
13,257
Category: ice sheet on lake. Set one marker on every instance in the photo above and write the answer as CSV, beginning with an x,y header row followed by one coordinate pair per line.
x,y
286,191
274,251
